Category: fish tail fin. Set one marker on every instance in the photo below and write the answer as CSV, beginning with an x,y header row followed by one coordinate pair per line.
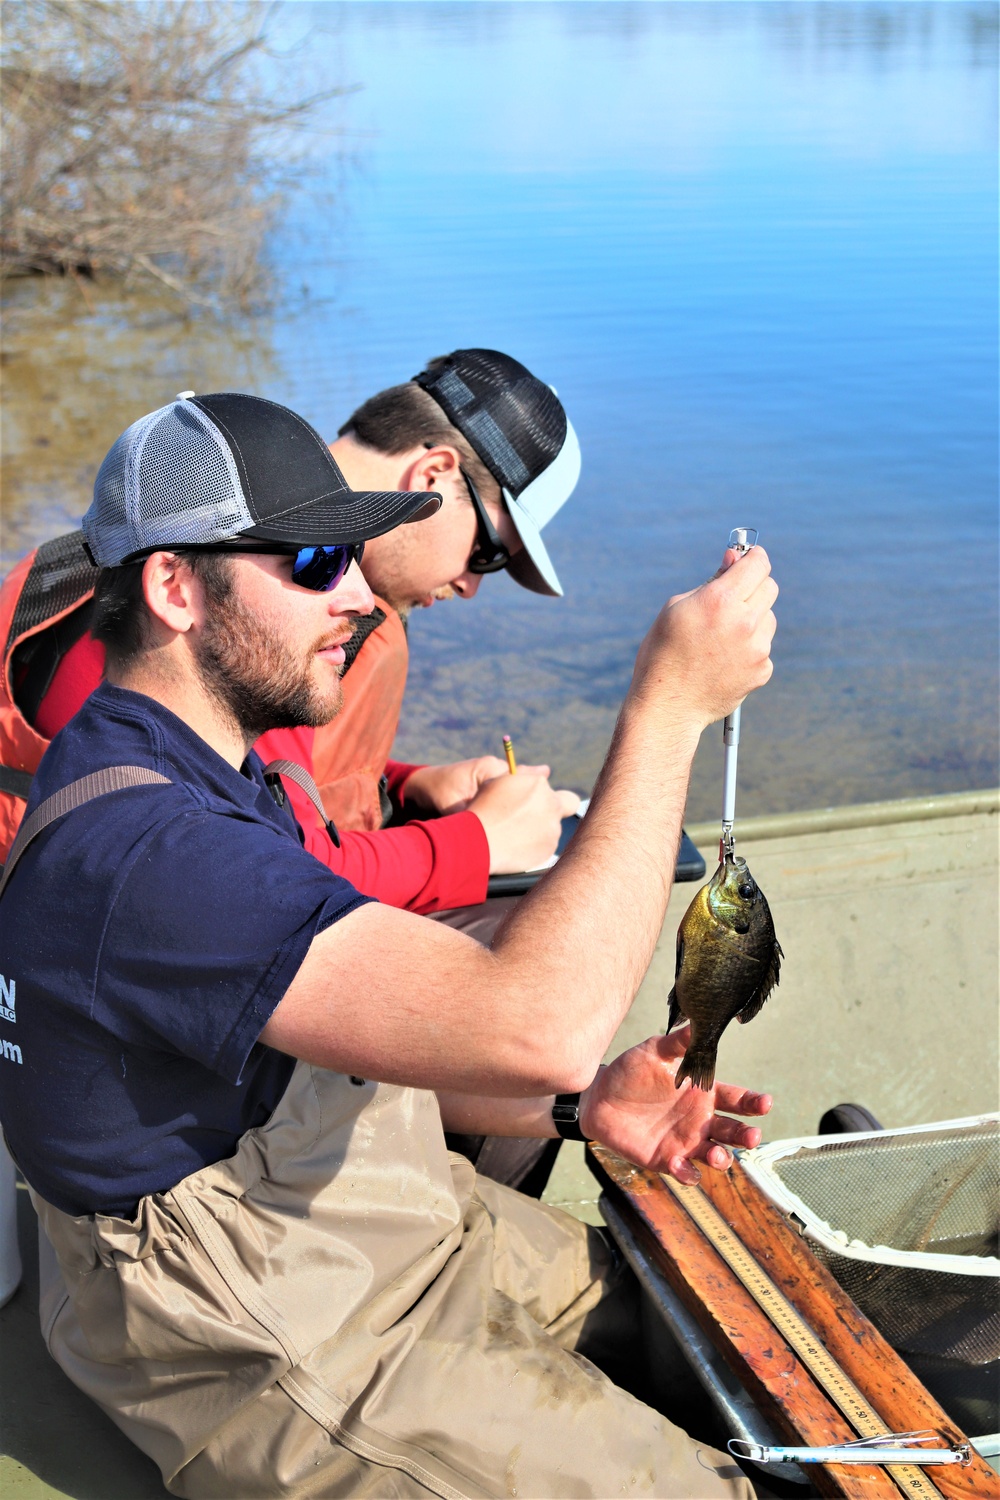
x,y
674,1014
698,1063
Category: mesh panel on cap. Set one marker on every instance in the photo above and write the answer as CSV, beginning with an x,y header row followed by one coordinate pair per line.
x,y
496,451
169,479
514,421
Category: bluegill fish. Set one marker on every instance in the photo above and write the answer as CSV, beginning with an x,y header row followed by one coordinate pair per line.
x,y
728,960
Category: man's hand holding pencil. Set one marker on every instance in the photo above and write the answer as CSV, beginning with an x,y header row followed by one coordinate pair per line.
x,y
520,812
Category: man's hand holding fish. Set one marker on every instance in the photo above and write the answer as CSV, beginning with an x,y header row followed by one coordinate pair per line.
x,y
635,1107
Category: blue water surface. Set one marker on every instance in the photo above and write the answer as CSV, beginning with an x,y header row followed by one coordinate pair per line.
x,y
755,249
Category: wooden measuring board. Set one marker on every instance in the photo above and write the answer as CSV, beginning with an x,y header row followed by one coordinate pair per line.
x,y
812,1362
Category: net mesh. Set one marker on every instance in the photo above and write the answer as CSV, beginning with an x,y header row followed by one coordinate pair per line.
x,y
169,479
936,1191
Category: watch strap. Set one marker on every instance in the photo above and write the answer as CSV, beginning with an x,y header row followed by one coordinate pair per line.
x,y
566,1117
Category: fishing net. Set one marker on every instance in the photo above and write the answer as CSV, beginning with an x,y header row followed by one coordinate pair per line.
x,y
908,1222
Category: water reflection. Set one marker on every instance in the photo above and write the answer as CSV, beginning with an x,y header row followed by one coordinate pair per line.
x,y
79,365
805,30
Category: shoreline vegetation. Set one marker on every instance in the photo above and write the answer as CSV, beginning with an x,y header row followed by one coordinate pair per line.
x,y
147,143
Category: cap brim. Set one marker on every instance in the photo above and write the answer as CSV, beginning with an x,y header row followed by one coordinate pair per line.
x,y
356,517
532,567
534,507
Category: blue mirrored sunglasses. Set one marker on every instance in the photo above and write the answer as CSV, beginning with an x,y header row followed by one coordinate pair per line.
x,y
317,568
322,568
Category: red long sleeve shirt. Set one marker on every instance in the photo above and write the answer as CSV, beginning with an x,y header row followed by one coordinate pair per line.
x,y
420,866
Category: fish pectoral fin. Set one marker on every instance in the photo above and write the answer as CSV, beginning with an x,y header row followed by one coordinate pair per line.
x,y
756,1002
753,1006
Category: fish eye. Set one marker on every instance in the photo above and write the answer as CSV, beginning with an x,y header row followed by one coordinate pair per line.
x,y
746,890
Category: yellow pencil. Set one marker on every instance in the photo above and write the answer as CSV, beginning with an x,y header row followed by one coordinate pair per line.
x,y
508,750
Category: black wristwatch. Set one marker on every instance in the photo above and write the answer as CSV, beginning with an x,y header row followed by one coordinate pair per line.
x,y
566,1117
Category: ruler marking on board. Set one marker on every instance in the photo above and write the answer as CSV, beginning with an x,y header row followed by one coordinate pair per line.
x,y
789,1322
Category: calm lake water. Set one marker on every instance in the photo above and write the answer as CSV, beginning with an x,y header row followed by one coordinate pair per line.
x,y
755,249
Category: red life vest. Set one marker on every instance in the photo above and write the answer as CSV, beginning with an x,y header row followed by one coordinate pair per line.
x,y
42,613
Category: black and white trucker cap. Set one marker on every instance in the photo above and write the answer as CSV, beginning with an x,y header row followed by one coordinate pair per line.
x,y
517,425
211,468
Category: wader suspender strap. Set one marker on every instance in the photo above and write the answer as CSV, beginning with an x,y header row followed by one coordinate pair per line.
x,y
301,777
119,779
98,784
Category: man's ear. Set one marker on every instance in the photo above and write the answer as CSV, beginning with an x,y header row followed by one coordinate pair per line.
x,y
173,594
425,467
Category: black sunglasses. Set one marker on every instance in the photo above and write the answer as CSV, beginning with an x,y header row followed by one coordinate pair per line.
x,y
317,568
489,555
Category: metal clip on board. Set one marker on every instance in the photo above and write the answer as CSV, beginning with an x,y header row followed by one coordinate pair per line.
x,y
885,1448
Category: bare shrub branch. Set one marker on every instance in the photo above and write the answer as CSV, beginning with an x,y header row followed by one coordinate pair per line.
x,y
143,139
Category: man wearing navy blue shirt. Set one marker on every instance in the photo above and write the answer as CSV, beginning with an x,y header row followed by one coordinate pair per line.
x,y
226,1073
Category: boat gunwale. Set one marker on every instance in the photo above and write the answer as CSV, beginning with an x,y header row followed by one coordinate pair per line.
x,y
853,815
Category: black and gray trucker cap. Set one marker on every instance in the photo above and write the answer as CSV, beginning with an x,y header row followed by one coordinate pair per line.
x,y
517,425
211,468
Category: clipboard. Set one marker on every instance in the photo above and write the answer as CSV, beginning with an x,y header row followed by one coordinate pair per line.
x,y
690,864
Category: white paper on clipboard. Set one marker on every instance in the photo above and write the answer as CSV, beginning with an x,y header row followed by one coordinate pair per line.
x,y
554,860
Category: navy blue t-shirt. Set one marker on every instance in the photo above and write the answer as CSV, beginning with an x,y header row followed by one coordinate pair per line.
x,y
145,940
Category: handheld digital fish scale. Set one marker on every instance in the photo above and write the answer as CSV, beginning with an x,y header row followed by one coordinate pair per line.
x,y
741,539
796,1332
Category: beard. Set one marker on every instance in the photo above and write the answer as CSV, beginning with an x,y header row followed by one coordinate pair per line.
x,y
262,682
404,607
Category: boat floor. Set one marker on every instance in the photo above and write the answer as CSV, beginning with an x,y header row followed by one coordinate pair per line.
x,y
891,939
